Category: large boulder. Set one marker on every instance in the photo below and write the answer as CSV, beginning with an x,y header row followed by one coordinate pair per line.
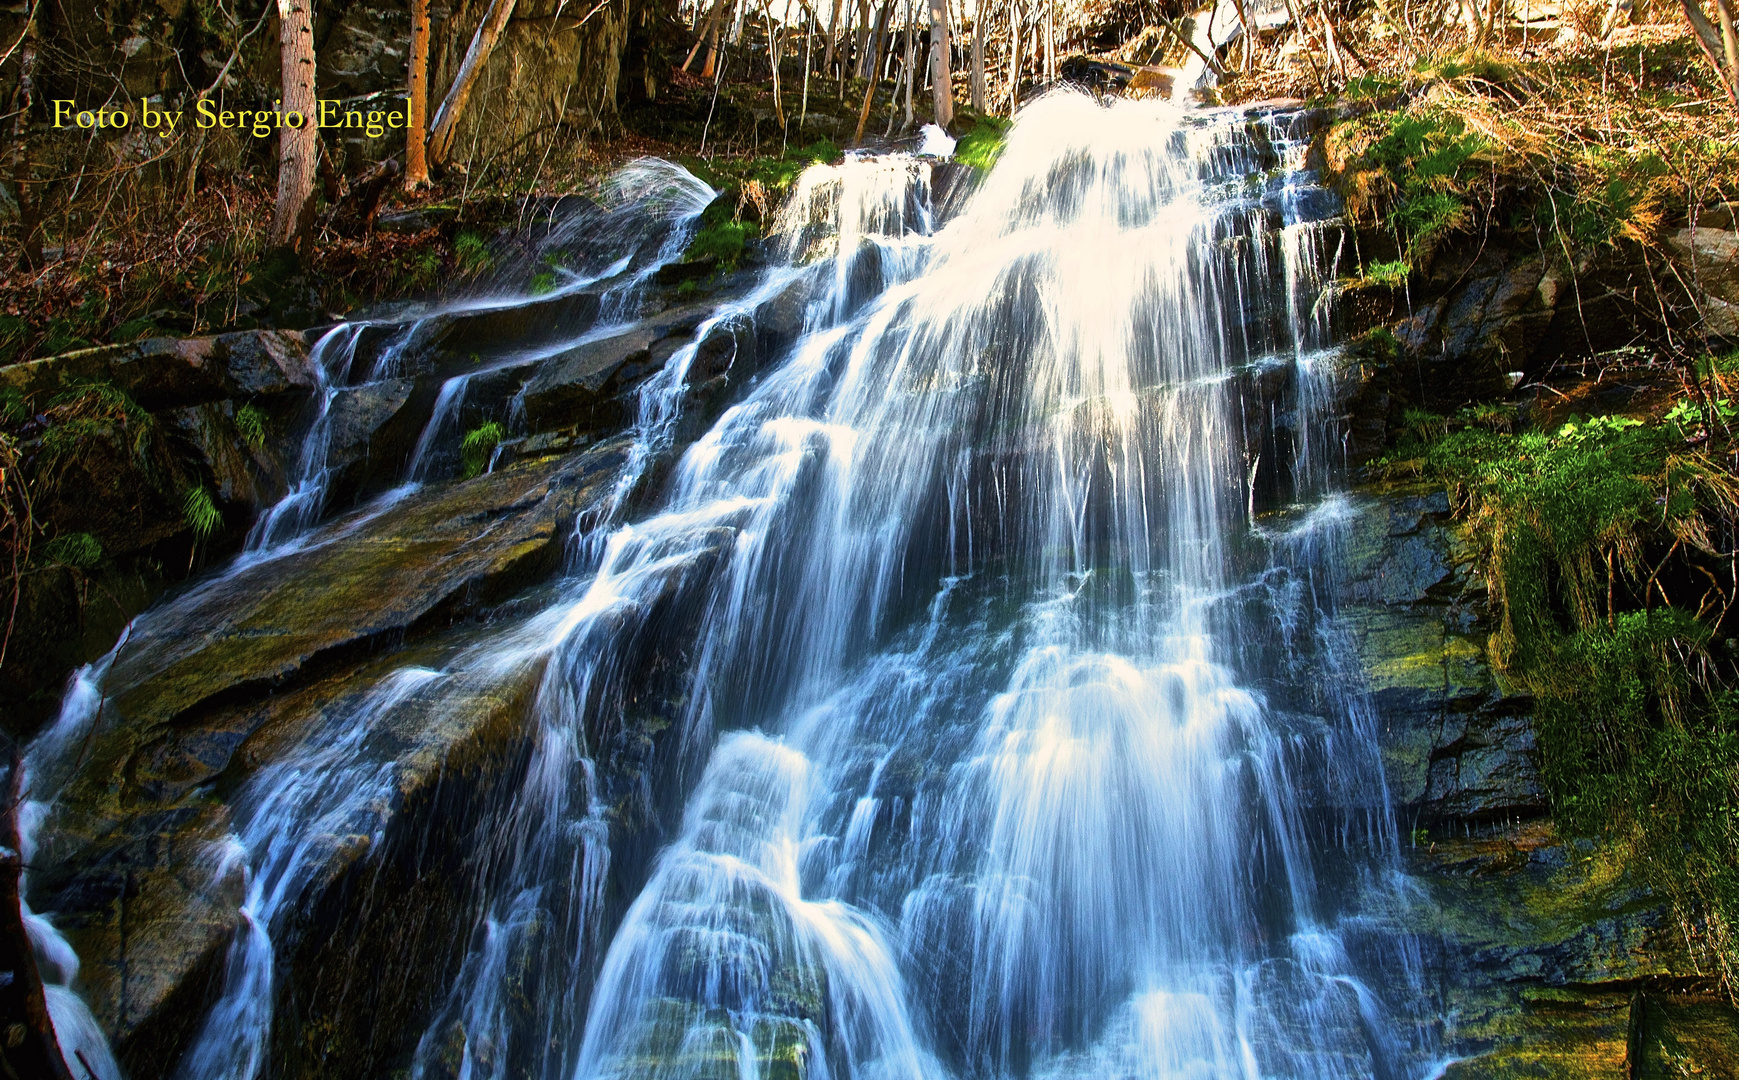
x,y
1711,259
578,385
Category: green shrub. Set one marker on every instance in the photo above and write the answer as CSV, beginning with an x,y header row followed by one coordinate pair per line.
x,y
1574,530
471,252
1390,275
1427,155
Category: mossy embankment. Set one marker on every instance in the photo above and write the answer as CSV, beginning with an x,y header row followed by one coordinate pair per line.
x,y
1544,329
1605,544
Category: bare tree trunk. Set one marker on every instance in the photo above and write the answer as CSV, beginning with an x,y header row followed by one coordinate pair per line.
x,y
298,147
941,79
773,58
704,32
417,127
482,44
911,61
808,65
1014,34
1050,40
710,68
18,160
978,87
832,29
1720,44
869,93
865,27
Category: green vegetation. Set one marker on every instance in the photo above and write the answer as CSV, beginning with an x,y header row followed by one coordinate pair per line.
x,y
981,146
200,513
1390,275
1600,544
1427,158
479,445
88,410
250,423
773,173
471,253
79,551
722,236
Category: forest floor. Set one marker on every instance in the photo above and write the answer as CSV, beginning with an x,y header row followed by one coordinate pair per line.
x,y
1604,139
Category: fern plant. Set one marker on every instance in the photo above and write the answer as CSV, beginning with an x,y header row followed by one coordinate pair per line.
x,y
79,551
250,423
200,513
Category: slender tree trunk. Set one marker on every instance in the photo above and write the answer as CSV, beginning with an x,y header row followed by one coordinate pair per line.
x,y
709,69
808,64
17,156
1014,33
978,87
482,44
773,58
941,78
298,147
1729,41
1720,44
703,32
1050,40
832,29
869,93
911,61
881,50
865,28
416,130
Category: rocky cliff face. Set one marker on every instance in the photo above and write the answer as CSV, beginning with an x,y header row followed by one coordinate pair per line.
x,y
1554,960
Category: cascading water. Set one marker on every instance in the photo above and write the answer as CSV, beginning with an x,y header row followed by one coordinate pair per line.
x,y
1054,832
1024,771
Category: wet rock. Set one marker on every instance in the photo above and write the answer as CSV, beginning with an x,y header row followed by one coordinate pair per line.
x,y
151,915
358,414
435,554
234,675
1684,1034
578,385
1543,944
169,372
1484,765
1490,316
241,473
1456,745
448,343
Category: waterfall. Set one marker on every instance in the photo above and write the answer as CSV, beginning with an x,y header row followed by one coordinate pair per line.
x,y
969,576
1012,727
